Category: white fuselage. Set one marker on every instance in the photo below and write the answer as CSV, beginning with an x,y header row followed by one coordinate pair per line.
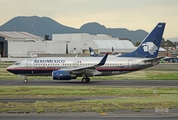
x,y
45,66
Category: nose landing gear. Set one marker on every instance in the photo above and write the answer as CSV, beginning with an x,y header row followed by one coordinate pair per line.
x,y
25,80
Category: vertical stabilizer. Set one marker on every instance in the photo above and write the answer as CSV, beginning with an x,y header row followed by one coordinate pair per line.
x,y
149,47
92,53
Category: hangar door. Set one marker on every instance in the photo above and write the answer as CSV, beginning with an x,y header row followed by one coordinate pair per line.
x,y
3,47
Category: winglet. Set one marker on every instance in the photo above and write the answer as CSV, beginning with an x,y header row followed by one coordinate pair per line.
x,y
102,62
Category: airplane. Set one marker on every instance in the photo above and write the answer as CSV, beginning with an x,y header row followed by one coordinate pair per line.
x,y
67,68
171,59
94,54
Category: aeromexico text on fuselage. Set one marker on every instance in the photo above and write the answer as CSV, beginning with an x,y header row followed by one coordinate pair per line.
x,y
49,61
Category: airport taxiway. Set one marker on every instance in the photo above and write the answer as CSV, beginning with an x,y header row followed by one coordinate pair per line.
x,y
86,116
109,83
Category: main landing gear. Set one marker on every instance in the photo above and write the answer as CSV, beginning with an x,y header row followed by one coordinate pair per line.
x,y
85,80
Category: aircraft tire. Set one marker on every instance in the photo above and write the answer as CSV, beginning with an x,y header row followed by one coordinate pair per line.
x,y
25,80
85,80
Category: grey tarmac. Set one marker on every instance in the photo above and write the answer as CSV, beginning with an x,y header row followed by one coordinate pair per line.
x,y
109,83
86,116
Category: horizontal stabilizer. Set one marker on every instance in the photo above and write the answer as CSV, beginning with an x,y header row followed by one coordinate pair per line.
x,y
154,59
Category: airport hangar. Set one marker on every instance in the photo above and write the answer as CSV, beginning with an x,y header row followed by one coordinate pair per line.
x,y
15,44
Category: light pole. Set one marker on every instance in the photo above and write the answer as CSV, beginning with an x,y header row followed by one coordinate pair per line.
x,y
67,46
166,45
85,44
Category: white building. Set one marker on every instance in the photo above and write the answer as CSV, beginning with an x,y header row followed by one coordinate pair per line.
x,y
23,44
101,43
103,46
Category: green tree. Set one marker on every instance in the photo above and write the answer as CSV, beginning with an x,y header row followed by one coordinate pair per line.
x,y
169,43
137,43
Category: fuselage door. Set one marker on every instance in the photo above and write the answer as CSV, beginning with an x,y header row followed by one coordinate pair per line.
x,y
29,63
75,62
130,61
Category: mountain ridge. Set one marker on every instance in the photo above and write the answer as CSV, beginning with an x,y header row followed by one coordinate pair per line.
x,y
174,39
45,25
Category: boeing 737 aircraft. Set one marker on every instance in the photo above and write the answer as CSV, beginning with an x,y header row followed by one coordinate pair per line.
x,y
67,68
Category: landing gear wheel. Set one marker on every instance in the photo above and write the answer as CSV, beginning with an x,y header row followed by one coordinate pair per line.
x,y
25,80
85,80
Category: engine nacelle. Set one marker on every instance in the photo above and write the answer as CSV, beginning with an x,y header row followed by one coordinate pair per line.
x,y
62,75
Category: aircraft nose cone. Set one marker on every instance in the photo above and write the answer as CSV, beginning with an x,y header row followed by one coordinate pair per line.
x,y
9,69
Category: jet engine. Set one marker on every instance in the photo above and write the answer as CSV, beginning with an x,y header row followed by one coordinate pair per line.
x,y
62,75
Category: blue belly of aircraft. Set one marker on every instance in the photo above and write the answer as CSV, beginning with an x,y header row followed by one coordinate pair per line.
x,y
32,72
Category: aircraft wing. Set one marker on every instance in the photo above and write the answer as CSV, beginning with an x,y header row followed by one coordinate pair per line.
x,y
90,69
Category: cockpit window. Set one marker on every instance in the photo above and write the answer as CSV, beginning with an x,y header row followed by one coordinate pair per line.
x,y
17,63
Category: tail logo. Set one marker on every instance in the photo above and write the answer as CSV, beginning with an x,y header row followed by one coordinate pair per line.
x,y
92,53
149,47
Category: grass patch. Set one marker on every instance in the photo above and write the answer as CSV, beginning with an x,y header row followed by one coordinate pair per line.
x,y
100,99
142,75
134,103
65,91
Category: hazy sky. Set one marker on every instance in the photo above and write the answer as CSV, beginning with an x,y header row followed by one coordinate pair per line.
x,y
131,14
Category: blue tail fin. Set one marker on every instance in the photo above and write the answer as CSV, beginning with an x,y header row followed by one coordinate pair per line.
x,y
92,53
149,47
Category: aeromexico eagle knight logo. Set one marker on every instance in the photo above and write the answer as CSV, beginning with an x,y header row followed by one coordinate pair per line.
x,y
149,47
92,53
